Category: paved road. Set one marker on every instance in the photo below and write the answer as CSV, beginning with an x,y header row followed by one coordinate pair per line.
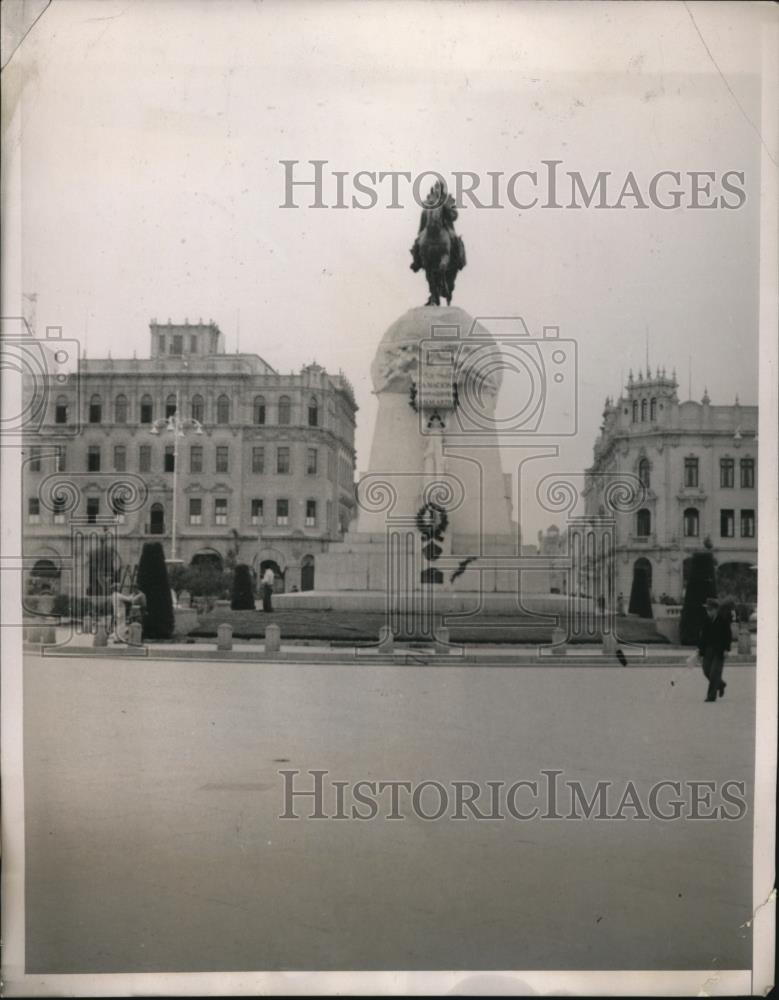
x,y
153,842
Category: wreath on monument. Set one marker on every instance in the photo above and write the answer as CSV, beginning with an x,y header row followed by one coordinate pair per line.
x,y
432,521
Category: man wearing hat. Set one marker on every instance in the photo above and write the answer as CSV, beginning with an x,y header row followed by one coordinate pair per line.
x,y
714,642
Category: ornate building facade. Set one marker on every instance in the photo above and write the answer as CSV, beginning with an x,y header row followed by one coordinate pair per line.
x,y
695,465
218,456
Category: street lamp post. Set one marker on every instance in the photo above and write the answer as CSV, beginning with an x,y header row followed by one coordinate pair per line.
x,y
178,427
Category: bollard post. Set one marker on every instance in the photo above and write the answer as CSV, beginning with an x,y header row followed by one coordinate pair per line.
x,y
224,637
100,638
442,640
135,634
386,639
609,644
744,641
273,639
559,636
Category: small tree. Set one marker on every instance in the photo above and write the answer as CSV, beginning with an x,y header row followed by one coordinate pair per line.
x,y
242,598
701,584
640,598
153,582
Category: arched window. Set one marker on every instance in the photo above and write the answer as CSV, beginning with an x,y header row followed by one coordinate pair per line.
x,y
223,410
643,472
170,405
635,410
285,410
198,408
61,410
643,522
120,409
147,409
691,523
259,410
653,409
95,410
313,412
643,410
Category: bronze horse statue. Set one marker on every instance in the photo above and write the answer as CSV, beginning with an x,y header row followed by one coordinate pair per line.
x,y
438,249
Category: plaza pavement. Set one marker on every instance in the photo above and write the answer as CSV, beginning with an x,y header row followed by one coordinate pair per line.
x,y
153,843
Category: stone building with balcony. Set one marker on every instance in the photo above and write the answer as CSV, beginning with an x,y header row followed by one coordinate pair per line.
x,y
262,471
697,467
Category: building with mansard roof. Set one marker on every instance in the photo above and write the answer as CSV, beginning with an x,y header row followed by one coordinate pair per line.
x,y
262,471
697,466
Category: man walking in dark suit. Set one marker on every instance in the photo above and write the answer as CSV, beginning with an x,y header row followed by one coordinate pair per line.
x,y
714,642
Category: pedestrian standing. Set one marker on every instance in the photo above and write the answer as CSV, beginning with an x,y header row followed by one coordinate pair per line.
x,y
715,639
267,589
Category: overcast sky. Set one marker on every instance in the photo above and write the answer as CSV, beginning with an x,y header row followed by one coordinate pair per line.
x,y
152,135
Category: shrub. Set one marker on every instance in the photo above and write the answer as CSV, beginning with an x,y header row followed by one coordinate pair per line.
x,y
242,597
701,584
153,582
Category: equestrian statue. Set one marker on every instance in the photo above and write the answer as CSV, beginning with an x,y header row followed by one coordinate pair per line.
x,y
438,250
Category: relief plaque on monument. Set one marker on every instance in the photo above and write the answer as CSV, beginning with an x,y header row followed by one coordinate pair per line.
x,y
436,378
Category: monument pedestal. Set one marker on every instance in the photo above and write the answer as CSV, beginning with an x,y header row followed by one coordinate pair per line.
x,y
435,497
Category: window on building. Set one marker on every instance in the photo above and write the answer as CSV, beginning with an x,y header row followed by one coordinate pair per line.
x,y
170,458
93,458
748,473
147,409
220,510
635,411
195,510
61,458
311,461
198,408
282,460
258,460
223,410
144,458
59,503
727,468
259,410
35,458
727,525
747,524
170,405
93,509
653,409
162,343
192,343
643,410
313,412
257,511
61,410
643,522
196,458
95,410
691,523
282,512
643,472
285,410
222,458
120,409
177,344
120,458
34,510
310,513
691,472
